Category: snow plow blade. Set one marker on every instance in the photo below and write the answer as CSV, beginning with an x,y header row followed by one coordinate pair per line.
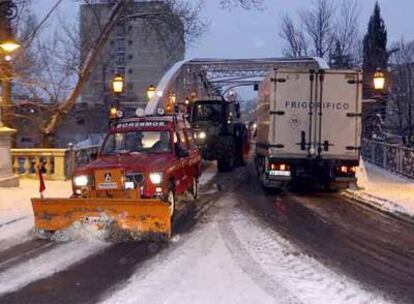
x,y
142,219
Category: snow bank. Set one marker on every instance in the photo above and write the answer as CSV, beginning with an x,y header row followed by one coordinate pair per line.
x,y
16,215
384,190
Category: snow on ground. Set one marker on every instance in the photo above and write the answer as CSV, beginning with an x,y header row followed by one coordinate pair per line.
x,y
47,264
236,258
384,190
16,215
209,171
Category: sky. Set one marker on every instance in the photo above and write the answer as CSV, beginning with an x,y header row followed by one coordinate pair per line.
x,y
242,33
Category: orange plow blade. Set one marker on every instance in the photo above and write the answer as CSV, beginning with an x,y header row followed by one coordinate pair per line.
x,y
142,219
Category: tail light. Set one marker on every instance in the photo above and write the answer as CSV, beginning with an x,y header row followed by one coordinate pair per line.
x,y
346,169
280,167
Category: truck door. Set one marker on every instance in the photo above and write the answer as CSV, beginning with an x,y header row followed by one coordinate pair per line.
x,y
194,158
339,108
182,180
292,113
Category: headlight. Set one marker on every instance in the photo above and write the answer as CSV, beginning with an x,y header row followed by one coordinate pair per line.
x,y
81,180
202,135
129,185
156,178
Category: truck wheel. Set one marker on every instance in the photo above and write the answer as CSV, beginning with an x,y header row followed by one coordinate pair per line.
x,y
194,188
171,201
227,161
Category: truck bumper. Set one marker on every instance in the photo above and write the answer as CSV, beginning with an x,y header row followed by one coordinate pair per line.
x,y
271,181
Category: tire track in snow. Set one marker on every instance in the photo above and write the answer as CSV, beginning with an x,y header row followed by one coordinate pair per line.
x,y
24,251
251,267
45,265
13,221
303,276
161,276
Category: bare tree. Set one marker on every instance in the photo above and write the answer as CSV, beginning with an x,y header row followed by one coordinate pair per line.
x,y
326,29
401,102
295,38
346,29
319,25
62,71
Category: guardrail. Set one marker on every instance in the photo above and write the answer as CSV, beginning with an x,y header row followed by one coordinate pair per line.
x,y
395,158
58,164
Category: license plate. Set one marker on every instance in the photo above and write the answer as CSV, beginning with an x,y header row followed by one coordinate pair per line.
x,y
107,186
279,173
90,220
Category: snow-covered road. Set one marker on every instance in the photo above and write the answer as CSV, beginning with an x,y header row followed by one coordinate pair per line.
x,y
234,258
231,252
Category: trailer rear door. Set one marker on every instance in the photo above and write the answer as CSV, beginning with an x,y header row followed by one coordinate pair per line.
x,y
315,114
338,135
291,114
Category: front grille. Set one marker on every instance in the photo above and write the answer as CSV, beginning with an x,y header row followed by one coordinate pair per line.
x,y
137,178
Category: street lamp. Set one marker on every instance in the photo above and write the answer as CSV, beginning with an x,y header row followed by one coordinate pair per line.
x,y
150,92
8,11
118,84
9,45
379,80
117,88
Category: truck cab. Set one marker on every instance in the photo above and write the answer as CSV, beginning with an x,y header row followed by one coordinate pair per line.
x,y
219,132
151,157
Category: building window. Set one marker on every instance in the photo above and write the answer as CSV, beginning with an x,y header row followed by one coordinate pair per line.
x,y
120,30
120,59
129,28
130,42
130,56
130,86
130,71
121,44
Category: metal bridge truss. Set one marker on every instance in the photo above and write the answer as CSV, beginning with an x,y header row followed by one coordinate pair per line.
x,y
206,78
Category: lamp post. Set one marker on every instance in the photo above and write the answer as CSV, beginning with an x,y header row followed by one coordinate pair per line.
x,y
118,89
379,81
8,11
150,92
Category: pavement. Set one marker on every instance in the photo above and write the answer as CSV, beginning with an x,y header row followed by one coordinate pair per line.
x,y
381,189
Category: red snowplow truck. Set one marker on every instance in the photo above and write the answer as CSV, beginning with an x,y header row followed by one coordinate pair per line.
x,y
144,164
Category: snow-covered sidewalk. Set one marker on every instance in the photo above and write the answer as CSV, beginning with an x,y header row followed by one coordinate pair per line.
x,y
16,215
384,190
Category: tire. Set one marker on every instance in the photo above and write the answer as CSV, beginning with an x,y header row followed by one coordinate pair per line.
x,y
226,162
194,188
225,165
171,200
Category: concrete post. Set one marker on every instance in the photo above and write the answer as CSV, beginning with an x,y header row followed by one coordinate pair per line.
x,y
7,178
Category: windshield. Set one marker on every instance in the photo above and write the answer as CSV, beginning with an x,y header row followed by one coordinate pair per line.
x,y
138,141
207,111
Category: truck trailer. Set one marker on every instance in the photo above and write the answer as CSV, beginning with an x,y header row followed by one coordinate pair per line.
x,y
308,127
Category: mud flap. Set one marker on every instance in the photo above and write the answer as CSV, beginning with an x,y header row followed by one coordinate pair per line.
x,y
143,219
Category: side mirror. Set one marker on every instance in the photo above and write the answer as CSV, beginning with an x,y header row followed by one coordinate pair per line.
x,y
237,109
181,153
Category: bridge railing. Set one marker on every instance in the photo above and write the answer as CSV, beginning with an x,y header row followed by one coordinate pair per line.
x,y
395,158
58,164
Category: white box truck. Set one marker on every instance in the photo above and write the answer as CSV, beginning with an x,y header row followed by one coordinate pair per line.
x,y
308,127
